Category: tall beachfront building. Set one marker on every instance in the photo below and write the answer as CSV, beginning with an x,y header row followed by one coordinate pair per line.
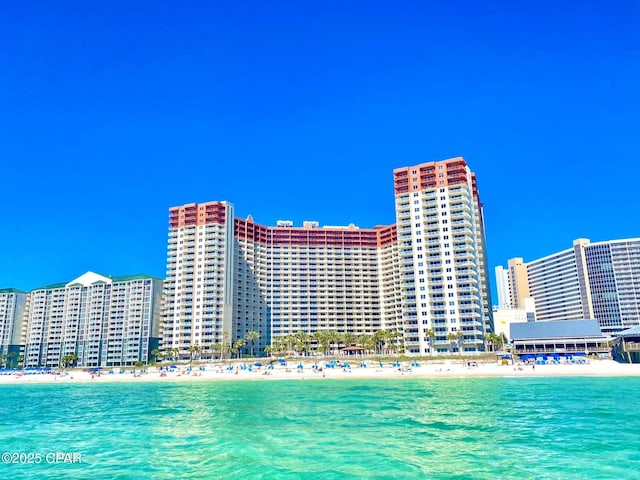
x,y
198,290
588,281
104,321
442,255
227,276
12,333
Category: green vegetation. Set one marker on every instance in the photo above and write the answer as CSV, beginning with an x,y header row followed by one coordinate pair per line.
x,y
330,342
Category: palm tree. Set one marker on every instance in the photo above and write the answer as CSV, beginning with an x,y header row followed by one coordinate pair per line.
x,y
175,354
193,351
301,340
348,339
452,337
332,338
156,355
68,360
321,340
493,340
383,339
431,334
3,360
251,336
393,337
216,347
459,339
226,343
237,346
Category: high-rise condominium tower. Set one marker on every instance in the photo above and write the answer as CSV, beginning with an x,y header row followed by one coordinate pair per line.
x,y
12,308
104,321
229,276
443,267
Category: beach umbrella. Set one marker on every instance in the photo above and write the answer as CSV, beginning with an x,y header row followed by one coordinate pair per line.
x,y
258,364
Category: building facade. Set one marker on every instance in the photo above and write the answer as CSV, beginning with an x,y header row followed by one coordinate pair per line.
x,y
425,277
229,276
12,332
103,321
598,280
442,255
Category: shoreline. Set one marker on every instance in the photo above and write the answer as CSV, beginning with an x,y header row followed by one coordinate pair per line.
x,y
430,370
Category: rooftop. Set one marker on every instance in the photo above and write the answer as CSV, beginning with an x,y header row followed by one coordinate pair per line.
x,y
555,329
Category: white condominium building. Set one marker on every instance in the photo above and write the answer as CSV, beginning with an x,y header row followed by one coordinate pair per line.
x,y
104,321
330,278
442,258
229,276
12,307
589,281
198,291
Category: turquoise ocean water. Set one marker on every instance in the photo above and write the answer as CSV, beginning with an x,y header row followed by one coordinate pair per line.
x,y
472,428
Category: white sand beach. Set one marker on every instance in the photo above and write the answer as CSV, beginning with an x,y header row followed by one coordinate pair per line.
x,y
304,370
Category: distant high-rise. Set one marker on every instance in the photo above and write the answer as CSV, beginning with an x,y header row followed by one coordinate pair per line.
x,y
588,281
229,276
12,332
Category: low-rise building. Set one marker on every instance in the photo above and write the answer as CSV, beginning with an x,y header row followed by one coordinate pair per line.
x,y
558,337
626,346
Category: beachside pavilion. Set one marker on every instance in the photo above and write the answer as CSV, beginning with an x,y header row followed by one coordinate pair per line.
x,y
626,346
556,339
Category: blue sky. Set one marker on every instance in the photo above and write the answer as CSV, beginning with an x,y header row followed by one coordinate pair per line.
x,y
112,112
